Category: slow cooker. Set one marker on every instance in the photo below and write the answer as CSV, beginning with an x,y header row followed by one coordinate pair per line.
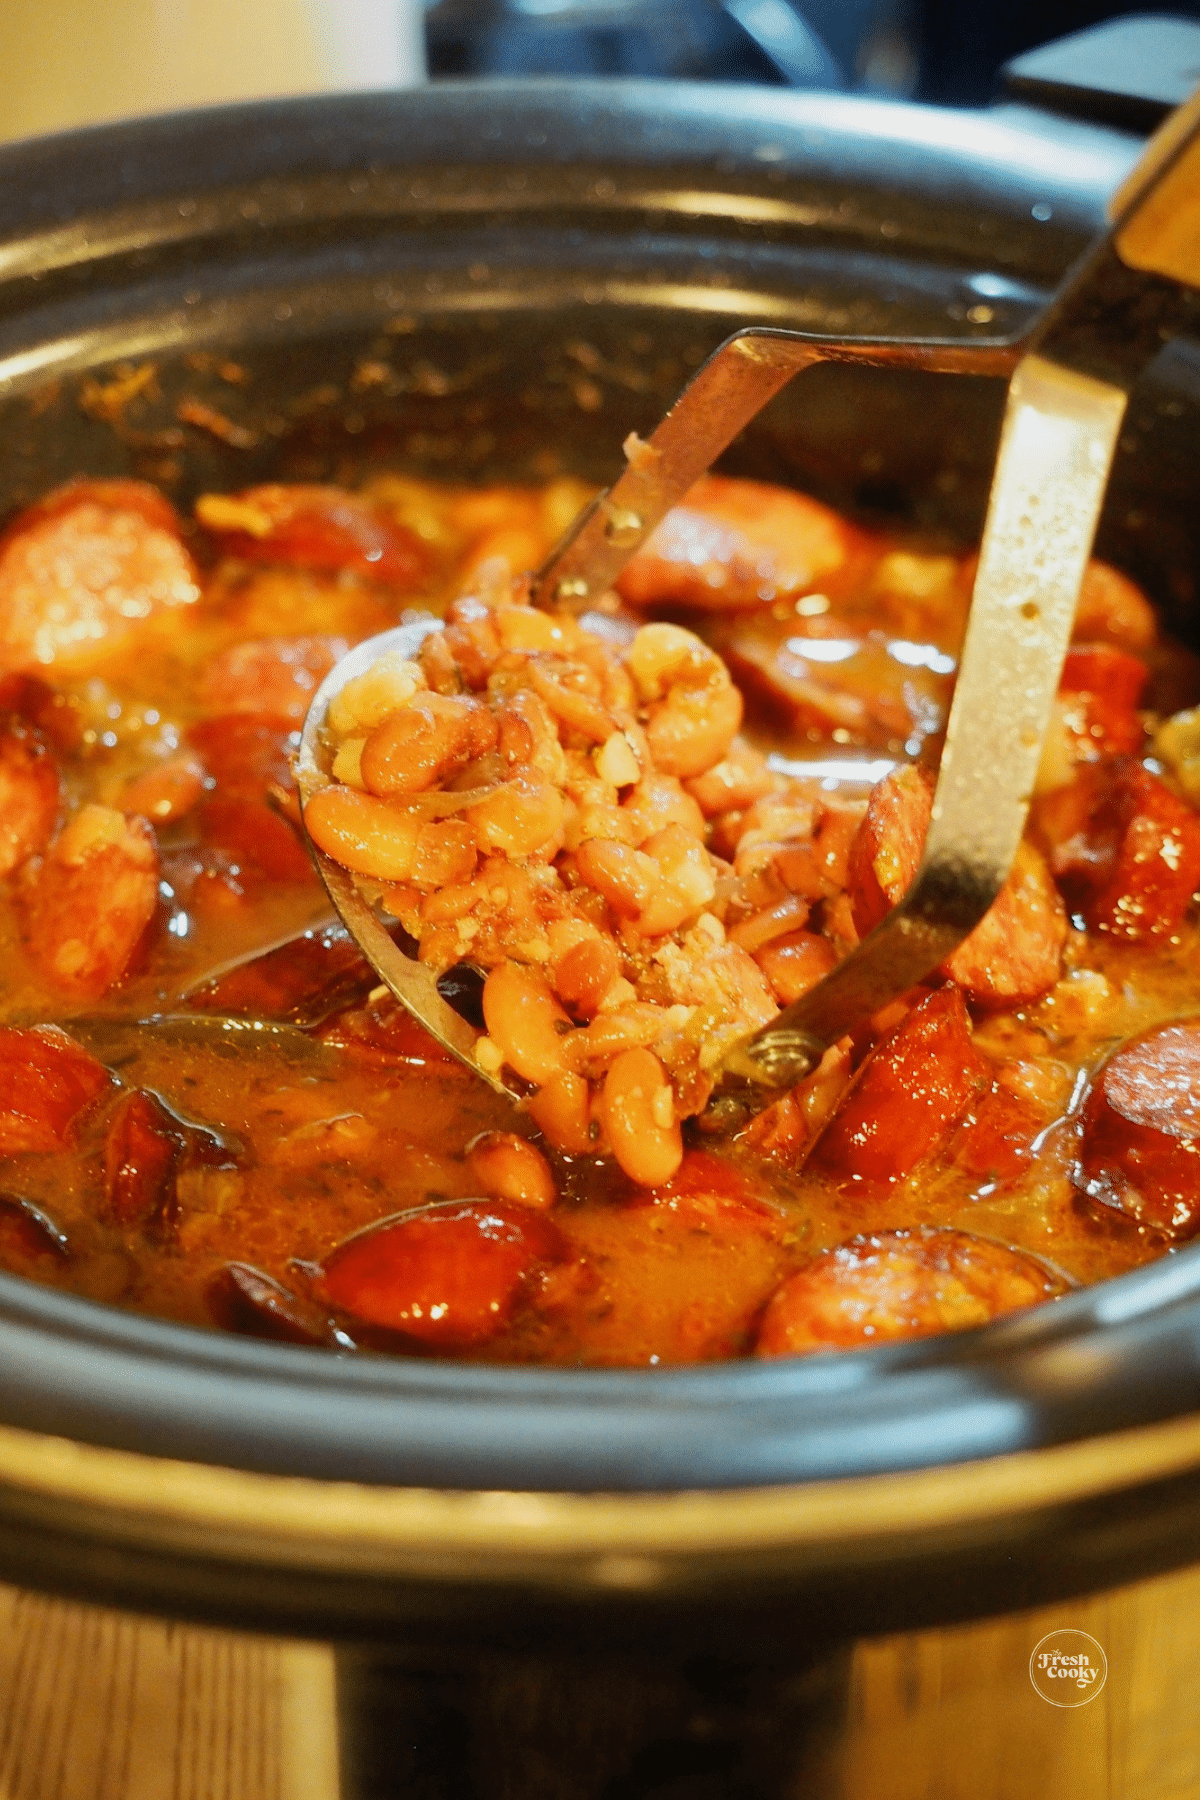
x,y
503,280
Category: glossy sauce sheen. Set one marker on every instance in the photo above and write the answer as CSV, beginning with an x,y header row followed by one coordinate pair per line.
x,y
320,1179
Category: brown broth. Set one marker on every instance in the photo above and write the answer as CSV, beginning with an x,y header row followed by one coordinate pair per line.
x,y
337,1139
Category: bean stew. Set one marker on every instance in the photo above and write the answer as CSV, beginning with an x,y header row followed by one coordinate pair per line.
x,y
622,842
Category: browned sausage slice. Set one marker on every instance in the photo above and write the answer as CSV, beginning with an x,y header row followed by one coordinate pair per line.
x,y
1126,850
449,1275
1015,952
314,526
29,793
899,1284
1140,1150
47,1081
91,902
85,568
912,1090
737,544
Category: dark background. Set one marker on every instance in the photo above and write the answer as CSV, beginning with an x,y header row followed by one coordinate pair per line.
x,y
945,51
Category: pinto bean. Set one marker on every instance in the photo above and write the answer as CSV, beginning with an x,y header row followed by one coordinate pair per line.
x,y
85,569
899,1284
29,793
315,527
1014,953
273,675
508,1167
736,543
579,712
658,801
363,833
525,818
688,881
736,782
1140,1144
585,973
450,1275
445,855
370,698
591,1051
526,1021
425,744
627,878
91,902
1125,849
770,922
910,1094
693,708
47,1083
639,1117
561,1110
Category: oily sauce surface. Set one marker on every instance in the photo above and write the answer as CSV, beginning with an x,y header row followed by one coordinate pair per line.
x,y
284,1138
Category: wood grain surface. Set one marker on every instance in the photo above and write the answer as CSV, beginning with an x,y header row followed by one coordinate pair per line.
x,y
98,1705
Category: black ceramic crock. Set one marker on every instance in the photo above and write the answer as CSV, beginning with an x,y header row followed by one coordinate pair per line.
x,y
504,280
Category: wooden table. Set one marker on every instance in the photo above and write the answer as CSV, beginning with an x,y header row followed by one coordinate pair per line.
x,y
96,1705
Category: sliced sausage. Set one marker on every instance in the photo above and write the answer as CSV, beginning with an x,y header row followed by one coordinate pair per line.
x,y
1112,607
1124,848
29,793
886,850
141,1151
260,846
271,675
54,714
242,1299
900,1284
838,684
315,527
83,570
997,1143
29,1236
1094,714
709,1193
47,1083
386,1034
301,982
449,1275
1105,671
910,1093
90,904
1140,1145
737,543
1015,952
246,753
